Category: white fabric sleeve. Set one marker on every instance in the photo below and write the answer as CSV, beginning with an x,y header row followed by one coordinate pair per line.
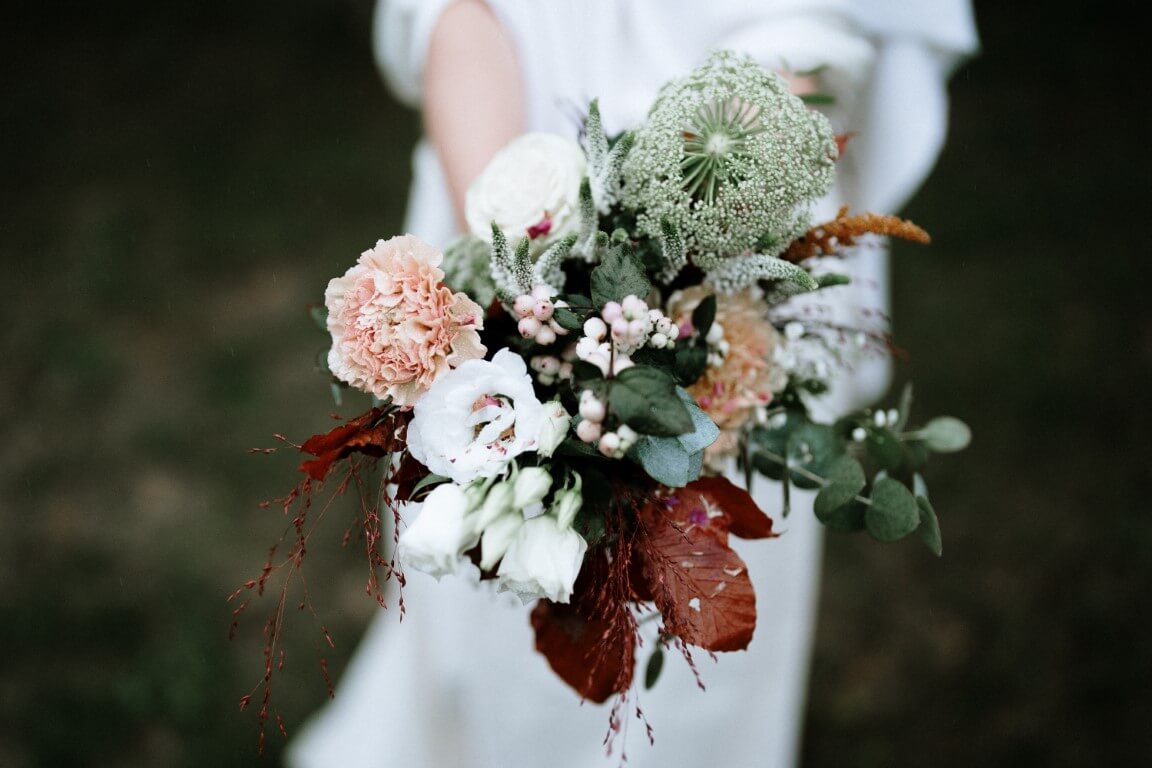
x,y
401,30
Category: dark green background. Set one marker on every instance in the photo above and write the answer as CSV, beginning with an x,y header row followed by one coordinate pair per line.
x,y
178,180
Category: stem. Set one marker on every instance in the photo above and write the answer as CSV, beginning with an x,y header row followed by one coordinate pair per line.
x,y
823,481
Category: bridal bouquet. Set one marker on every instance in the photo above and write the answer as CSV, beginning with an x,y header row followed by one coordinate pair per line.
x,y
562,397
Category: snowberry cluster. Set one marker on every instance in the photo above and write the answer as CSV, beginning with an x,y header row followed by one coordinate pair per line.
x,y
591,428
549,369
622,328
535,311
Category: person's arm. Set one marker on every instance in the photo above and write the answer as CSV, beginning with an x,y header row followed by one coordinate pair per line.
x,y
473,94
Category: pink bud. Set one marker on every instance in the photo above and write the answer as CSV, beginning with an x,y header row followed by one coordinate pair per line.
x,y
528,327
544,335
588,431
612,312
523,305
542,310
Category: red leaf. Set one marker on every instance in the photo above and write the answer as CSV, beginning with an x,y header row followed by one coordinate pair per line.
x,y
591,642
580,651
744,517
700,585
376,433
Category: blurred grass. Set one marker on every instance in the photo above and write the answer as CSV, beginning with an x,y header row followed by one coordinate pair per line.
x,y
178,182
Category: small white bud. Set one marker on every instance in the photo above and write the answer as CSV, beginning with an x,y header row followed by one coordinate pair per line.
x,y
595,328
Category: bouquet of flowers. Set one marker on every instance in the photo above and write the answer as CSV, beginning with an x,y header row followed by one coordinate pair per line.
x,y
563,398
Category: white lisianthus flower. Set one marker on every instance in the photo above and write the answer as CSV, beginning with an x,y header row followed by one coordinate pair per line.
x,y
567,503
542,561
531,486
441,532
555,428
530,188
498,536
496,503
477,418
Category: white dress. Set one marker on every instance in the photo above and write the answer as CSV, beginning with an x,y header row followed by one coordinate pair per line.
x,y
458,683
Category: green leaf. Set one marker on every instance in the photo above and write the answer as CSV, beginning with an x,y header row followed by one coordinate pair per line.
x,y
691,360
585,374
884,448
919,487
617,276
831,279
893,513
664,359
570,446
818,99
704,315
946,434
665,460
319,315
845,480
645,399
655,666
567,319
813,447
426,481
847,518
704,431
929,530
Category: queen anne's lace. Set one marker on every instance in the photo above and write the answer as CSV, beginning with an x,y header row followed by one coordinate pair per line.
x,y
733,160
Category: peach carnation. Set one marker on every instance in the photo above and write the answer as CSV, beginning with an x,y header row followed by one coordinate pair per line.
x,y
745,379
395,326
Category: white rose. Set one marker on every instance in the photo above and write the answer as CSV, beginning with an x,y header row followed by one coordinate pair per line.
x,y
555,428
440,534
477,418
542,561
531,184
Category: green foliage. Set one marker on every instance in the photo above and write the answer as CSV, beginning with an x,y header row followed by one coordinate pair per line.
x,y
567,319
645,399
617,276
704,315
946,434
677,461
929,529
654,667
845,480
893,513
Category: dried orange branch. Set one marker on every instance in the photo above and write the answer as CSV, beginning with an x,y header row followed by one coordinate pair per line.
x,y
825,239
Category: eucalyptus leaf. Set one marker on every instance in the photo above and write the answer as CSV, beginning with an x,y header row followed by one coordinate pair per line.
x,y
929,530
884,448
704,430
813,447
848,517
946,434
845,480
893,513
664,459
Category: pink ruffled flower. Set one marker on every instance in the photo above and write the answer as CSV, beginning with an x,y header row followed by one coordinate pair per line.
x,y
395,326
